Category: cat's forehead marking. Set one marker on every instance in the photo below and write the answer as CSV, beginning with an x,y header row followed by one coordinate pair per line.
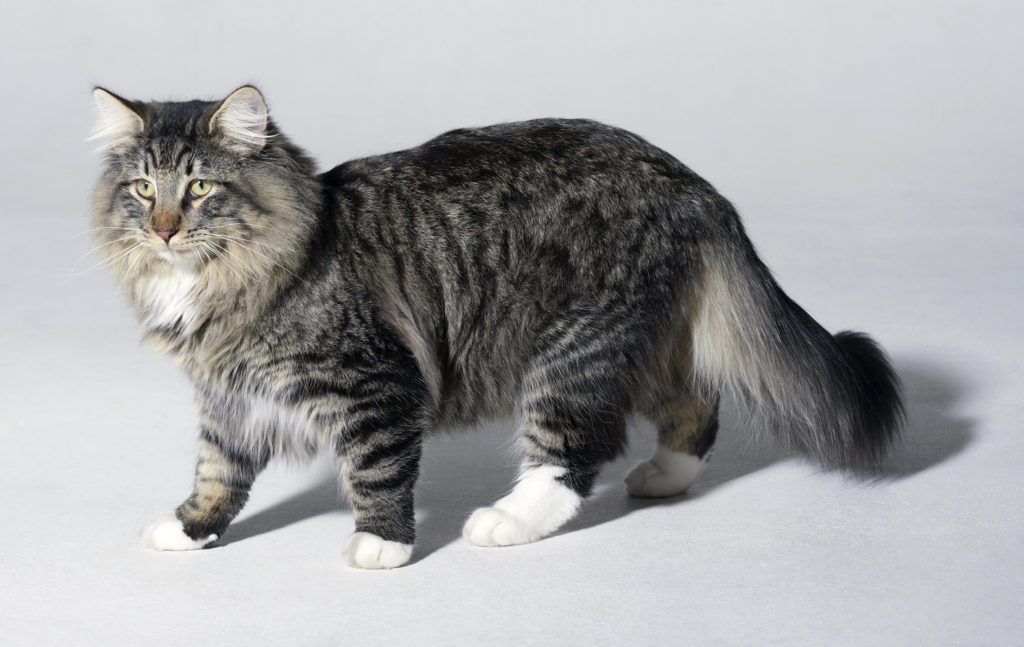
x,y
169,154
173,137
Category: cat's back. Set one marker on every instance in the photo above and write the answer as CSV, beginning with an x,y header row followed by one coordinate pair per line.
x,y
527,156
551,200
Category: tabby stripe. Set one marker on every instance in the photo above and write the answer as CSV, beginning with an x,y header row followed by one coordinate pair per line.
x,y
373,422
231,482
231,454
389,450
540,443
185,150
372,487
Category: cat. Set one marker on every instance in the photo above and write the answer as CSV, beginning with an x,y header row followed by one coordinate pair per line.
x,y
562,270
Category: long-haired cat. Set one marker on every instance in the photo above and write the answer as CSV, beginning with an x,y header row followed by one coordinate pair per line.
x,y
562,269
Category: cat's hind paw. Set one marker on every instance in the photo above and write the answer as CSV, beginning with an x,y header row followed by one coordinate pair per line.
x,y
666,474
367,550
168,533
538,505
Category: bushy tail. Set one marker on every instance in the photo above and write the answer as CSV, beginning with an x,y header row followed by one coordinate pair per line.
x,y
836,399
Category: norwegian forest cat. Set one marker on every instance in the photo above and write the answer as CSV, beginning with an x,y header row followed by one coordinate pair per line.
x,y
561,269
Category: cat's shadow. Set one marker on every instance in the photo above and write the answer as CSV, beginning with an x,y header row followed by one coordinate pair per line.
x,y
934,432
462,471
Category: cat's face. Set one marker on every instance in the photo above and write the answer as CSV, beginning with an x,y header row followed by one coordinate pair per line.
x,y
187,184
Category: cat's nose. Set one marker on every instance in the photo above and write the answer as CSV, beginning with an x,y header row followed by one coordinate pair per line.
x,y
165,234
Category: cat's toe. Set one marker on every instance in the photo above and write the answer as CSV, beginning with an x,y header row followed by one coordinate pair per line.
x,y
636,480
367,550
667,474
168,533
495,527
646,481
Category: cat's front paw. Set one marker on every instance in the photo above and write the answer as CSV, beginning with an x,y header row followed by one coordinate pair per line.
x,y
367,550
496,527
168,533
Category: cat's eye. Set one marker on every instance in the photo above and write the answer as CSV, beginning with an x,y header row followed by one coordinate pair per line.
x,y
199,188
145,188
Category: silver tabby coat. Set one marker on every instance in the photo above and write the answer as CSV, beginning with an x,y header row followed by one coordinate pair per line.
x,y
564,270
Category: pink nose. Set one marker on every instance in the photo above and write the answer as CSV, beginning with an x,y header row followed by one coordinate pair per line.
x,y
165,234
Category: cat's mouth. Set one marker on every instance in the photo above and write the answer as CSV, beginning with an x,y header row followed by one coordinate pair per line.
x,y
179,254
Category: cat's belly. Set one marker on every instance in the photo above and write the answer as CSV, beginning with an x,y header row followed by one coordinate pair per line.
x,y
467,404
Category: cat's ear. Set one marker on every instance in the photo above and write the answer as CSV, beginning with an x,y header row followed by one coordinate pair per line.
x,y
119,119
241,120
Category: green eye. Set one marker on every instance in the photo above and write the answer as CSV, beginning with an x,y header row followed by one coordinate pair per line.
x,y
145,188
199,188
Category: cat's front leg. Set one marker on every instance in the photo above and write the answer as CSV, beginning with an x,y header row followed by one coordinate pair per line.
x,y
379,453
223,478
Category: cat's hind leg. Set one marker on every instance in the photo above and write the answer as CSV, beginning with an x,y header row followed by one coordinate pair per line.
x,y
687,427
686,420
223,479
574,421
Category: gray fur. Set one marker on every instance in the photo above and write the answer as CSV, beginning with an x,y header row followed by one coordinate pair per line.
x,y
562,268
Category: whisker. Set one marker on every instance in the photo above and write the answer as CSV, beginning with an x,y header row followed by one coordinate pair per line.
x,y
131,268
242,241
210,231
95,229
242,223
258,253
109,262
96,248
123,257
204,253
213,248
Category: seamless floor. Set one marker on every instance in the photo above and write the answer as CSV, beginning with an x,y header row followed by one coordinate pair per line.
x,y
765,549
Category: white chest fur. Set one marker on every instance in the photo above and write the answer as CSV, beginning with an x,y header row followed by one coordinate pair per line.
x,y
168,298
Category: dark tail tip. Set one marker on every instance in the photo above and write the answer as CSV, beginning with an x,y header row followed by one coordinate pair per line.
x,y
874,391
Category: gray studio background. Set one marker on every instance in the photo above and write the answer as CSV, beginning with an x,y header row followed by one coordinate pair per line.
x,y
875,151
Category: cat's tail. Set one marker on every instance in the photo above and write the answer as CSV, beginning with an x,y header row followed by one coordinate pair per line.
x,y
833,398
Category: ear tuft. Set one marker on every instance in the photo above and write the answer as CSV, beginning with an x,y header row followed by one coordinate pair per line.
x,y
241,120
118,121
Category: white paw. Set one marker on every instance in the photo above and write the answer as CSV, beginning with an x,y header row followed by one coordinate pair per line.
x,y
168,533
538,505
666,474
367,550
494,527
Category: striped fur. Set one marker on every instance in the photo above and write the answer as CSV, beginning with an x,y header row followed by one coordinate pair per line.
x,y
560,268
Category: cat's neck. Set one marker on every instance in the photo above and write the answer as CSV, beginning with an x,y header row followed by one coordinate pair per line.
x,y
197,312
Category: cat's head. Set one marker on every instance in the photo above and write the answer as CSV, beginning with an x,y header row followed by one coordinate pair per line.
x,y
202,187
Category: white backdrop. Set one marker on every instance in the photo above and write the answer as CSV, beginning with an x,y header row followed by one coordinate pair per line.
x,y
875,150
821,104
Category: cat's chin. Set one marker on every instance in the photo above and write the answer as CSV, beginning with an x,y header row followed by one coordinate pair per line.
x,y
180,259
